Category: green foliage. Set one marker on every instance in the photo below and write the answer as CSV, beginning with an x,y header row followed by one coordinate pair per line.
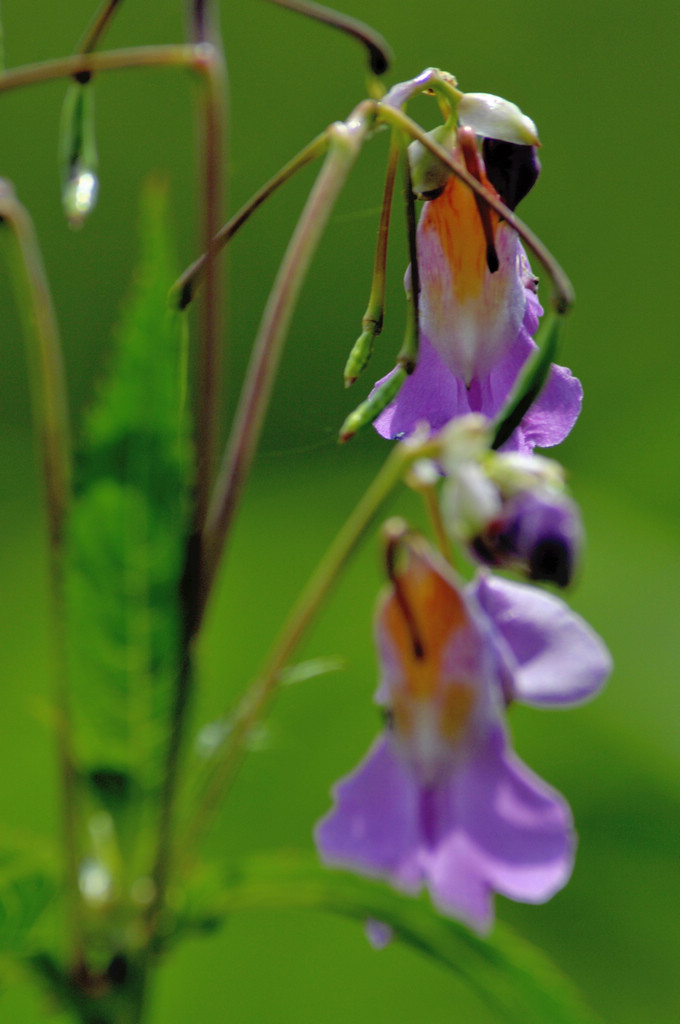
x,y
26,887
126,534
513,979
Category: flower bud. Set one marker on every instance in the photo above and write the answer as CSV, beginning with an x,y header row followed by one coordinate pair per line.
x,y
428,174
537,532
496,118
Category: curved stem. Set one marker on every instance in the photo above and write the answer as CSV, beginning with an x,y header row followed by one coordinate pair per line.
x,y
258,695
379,54
345,141
372,320
184,288
51,418
98,26
172,56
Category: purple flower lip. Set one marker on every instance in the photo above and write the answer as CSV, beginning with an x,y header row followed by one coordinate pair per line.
x,y
482,822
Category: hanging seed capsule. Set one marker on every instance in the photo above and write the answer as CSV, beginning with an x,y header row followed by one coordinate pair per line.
x,y
78,154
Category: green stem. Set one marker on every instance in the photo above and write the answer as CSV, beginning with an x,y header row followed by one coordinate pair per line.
x,y
51,418
184,289
372,321
345,141
98,26
173,56
408,354
258,695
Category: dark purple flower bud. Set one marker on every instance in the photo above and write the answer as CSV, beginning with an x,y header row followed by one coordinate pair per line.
x,y
512,169
538,533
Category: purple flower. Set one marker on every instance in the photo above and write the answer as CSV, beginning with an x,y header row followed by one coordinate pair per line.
x,y
478,312
440,799
536,532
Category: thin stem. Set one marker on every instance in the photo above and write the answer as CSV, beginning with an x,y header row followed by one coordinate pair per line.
x,y
98,26
372,320
408,354
51,417
563,296
213,116
345,141
184,289
172,56
433,506
379,54
373,317
209,362
259,693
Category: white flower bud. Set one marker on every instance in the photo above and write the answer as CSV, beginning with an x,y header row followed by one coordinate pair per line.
x,y
496,118
513,472
464,439
469,501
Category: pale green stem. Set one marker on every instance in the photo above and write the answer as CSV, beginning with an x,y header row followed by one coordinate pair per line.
x,y
345,139
372,320
173,56
373,317
51,419
184,289
408,353
256,699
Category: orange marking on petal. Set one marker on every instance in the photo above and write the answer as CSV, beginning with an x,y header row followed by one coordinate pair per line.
x,y
457,705
437,610
454,218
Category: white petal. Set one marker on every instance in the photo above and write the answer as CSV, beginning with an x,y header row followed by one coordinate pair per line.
x,y
496,118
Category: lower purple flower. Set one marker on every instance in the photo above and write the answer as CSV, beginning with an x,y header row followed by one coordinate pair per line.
x,y
491,826
441,800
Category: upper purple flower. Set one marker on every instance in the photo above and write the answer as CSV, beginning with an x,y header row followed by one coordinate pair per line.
x,y
441,800
478,313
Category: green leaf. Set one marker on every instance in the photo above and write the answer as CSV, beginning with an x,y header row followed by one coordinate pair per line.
x,y
27,884
127,531
512,978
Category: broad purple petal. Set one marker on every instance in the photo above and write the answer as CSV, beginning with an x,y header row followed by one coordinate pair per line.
x,y
548,655
375,823
519,828
493,826
434,395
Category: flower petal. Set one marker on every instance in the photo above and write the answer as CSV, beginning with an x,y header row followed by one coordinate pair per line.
x,y
375,824
519,828
500,829
496,118
432,394
548,654
555,411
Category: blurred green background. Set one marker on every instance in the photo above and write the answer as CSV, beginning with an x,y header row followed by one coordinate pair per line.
x,y
601,82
